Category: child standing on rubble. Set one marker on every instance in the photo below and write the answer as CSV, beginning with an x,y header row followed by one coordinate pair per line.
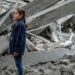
x,y
18,39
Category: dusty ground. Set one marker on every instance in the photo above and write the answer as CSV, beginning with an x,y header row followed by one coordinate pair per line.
x,y
65,66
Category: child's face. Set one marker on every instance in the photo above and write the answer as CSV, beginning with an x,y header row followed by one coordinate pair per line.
x,y
16,15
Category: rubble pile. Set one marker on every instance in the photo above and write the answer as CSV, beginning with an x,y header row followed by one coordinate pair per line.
x,y
50,48
65,66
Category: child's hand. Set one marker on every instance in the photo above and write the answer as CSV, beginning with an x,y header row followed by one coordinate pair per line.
x,y
16,54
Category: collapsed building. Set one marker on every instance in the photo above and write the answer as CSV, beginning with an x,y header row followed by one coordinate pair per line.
x,y
50,35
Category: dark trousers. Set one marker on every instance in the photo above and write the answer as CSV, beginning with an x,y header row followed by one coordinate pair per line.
x,y
19,65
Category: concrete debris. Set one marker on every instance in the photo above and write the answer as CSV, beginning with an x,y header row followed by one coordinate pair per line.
x,y
50,48
39,5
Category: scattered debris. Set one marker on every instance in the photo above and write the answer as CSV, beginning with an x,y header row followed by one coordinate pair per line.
x,y
48,45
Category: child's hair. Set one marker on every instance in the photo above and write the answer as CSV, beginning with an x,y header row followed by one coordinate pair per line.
x,y
21,12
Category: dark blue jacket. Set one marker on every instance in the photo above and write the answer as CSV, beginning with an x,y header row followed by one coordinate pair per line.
x,y
18,38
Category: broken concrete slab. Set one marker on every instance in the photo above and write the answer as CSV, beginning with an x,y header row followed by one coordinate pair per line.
x,y
31,6
47,15
37,6
43,56
65,9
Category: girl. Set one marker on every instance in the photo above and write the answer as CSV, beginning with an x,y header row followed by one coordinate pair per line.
x,y
18,39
